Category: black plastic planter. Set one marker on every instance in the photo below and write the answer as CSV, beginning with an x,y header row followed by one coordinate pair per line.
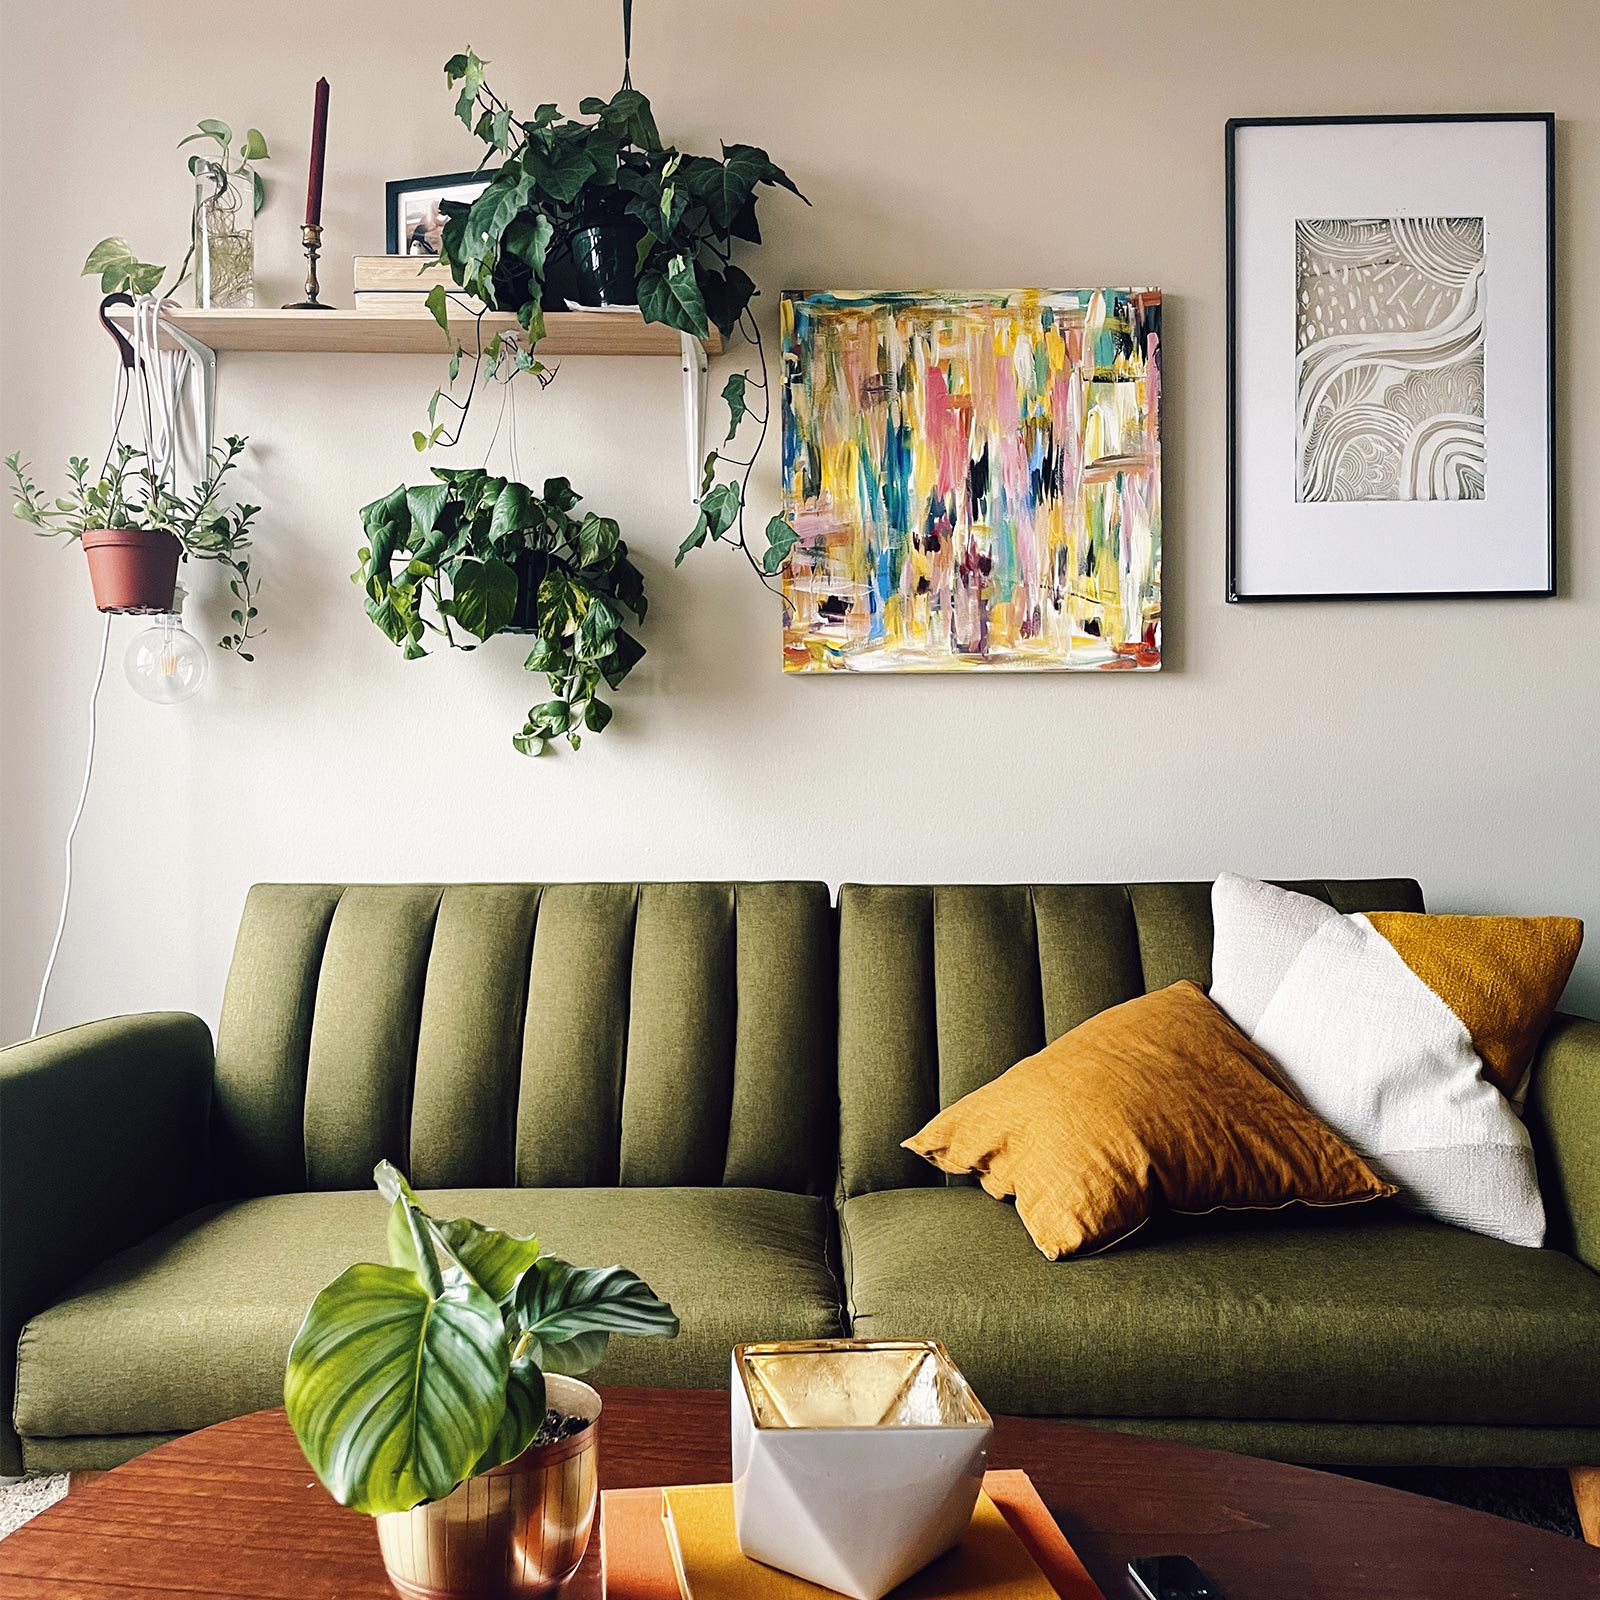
x,y
605,258
530,567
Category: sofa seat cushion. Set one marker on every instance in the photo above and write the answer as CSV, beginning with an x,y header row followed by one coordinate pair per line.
x,y
194,1325
1388,1317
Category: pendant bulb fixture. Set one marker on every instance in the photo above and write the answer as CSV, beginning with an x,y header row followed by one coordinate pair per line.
x,y
165,663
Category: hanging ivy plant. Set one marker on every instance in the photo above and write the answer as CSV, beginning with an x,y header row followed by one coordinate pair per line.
x,y
554,175
474,555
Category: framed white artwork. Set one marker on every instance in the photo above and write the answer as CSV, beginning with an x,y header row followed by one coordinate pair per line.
x,y
1391,356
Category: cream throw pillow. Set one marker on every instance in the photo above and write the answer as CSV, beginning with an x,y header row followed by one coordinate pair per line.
x,y
1377,1054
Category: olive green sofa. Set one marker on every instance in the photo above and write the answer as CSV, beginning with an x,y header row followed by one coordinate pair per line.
x,y
710,1082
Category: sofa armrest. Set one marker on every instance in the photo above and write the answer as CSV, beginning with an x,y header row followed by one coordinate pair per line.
x,y
1563,1114
102,1141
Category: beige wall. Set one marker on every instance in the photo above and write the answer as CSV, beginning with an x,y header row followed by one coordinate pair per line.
x,y
1009,143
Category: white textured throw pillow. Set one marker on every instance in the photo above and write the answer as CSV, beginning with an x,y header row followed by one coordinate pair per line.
x,y
1376,1054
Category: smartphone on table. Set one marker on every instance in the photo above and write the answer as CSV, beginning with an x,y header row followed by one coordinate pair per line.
x,y
1171,1578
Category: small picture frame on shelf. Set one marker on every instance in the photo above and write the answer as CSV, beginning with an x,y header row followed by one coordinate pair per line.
x,y
1391,357
413,215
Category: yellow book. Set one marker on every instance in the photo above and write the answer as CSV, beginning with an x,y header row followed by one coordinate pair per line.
x,y
990,1563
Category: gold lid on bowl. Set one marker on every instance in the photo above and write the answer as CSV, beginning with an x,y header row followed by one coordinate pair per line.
x,y
857,1383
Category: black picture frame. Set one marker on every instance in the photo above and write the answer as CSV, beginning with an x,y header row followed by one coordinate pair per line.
x,y
1234,124
395,191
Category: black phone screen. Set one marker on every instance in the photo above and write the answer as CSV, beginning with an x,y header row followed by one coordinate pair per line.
x,y
1172,1578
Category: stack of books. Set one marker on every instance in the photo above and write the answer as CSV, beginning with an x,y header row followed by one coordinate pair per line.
x,y
679,1544
400,284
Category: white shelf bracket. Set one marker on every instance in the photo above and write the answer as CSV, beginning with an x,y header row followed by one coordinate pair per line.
x,y
694,410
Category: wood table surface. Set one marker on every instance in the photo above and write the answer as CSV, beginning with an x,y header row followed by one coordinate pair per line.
x,y
233,1512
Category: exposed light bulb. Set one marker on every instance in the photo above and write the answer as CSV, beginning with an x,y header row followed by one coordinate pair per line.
x,y
166,663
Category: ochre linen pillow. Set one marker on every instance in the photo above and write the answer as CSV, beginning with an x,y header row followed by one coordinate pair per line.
x,y
1159,1102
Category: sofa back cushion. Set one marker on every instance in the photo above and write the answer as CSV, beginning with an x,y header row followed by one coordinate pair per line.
x,y
943,989
517,1034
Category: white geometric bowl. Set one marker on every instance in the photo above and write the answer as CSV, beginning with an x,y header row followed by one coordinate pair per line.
x,y
855,1461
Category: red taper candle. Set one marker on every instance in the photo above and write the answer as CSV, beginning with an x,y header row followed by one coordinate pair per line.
x,y
319,148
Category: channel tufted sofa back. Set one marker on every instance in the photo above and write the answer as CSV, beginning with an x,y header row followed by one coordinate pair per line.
x,y
943,989
487,1035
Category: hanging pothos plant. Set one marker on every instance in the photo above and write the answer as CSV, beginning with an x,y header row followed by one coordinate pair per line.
x,y
474,555
557,175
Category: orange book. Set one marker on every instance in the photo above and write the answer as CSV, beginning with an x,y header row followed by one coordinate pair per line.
x,y
1013,1550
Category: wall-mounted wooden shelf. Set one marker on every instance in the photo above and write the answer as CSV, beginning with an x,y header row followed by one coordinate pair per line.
x,y
414,332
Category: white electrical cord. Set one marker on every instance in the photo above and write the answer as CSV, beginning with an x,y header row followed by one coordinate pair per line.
x,y
176,389
77,817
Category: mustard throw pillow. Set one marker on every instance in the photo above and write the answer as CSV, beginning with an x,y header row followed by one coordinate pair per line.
x,y
1157,1103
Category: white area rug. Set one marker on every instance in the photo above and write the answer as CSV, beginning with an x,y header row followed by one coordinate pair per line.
x,y
19,1501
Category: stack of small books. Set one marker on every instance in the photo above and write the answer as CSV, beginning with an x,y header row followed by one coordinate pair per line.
x,y
400,284
679,1544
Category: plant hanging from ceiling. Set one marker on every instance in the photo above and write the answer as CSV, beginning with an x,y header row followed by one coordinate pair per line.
x,y
601,193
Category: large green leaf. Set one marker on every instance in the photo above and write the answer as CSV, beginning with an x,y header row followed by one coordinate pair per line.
x,y
564,1313
528,236
673,297
493,1259
559,167
395,1389
513,510
781,539
525,1408
484,595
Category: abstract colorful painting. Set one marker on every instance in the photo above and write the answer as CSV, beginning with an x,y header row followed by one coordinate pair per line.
x,y
1389,335
975,480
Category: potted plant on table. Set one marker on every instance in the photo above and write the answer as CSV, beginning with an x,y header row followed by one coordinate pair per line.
x,y
474,555
458,1361
135,530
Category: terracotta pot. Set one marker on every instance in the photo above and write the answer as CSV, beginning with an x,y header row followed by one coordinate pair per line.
x,y
132,569
517,1532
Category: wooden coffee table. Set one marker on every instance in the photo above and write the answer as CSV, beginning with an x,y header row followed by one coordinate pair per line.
x,y
234,1513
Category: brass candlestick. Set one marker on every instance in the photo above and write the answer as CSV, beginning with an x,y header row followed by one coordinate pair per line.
x,y
311,238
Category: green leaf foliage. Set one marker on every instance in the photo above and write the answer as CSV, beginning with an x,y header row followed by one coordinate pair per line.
x,y
406,1379
126,494
451,557
120,271
556,1305
733,394
393,1389
494,1260
523,1415
485,596
781,539
550,176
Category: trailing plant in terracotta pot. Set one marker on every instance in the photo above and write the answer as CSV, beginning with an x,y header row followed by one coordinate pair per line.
x,y
640,221
474,555
454,1362
135,530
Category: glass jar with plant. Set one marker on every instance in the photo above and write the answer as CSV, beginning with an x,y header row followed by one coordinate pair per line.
x,y
474,555
135,529
456,1361
646,222
229,193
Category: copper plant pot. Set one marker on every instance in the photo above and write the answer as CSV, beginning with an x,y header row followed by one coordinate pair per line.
x,y
517,1532
132,569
